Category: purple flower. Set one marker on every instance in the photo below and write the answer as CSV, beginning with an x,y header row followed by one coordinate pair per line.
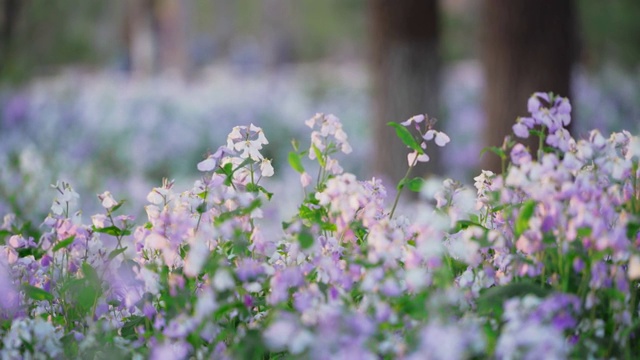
x,y
561,139
521,130
520,154
248,269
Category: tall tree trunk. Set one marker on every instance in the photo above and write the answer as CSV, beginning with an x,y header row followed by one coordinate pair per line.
x,y
8,20
140,37
172,35
405,77
528,46
277,32
156,35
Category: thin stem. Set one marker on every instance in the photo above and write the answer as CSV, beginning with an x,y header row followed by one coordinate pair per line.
x,y
406,176
252,180
541,142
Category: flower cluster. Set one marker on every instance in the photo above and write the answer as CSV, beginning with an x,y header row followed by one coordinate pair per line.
x,y
426,134
539,261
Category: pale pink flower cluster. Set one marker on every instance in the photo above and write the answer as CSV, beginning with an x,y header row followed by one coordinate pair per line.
x,y
428,134
327,138
349,200
243,144
330,127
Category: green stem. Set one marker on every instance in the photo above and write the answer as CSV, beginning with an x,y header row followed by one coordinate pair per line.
x,y
541,142
406,176
634,198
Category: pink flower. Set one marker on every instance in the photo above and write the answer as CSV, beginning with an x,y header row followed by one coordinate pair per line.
x,y
305,179
440,138
416,119
266,169
411,158
107,200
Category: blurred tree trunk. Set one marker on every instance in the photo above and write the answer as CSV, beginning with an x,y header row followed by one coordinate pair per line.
x,y
8,21
139,37
528,46
156,36
224,22
172,39
405,77
277,34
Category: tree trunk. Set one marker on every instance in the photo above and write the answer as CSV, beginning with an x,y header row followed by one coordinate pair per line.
x,y
172,36
405,77
156,36
528,46
139,37
8,21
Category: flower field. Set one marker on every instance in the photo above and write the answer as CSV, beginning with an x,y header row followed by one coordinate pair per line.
x,y
540,261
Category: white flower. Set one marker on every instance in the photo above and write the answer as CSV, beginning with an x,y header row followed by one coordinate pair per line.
x,y
151,280
99,221
249,149
207,164
266,169
441,139
206,304
107,200
305,179
417,119
223,280
197,257
634,267
411,158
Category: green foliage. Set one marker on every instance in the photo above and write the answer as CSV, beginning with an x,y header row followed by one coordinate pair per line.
x,y
406,137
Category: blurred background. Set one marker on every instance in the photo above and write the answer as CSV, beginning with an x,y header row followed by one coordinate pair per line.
x,y
119,94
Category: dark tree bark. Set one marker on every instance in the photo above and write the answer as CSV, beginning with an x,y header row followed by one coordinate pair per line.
x,y
8,21
528,46
405,67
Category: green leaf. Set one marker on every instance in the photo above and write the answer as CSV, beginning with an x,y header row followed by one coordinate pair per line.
x,y
496,150
463,224
90,273
266,193
306,239
406,137
31,251
253,188
319,156
36,293
116,252
415,184
64,243
413,305
202,208
586,231
4,233
296,162
70,346
536,132
632,229
526,212
491,300
251,346
328,227
128,330
112,230
120,203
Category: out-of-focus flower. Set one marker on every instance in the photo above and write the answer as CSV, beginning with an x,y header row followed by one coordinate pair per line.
x,y
107,200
